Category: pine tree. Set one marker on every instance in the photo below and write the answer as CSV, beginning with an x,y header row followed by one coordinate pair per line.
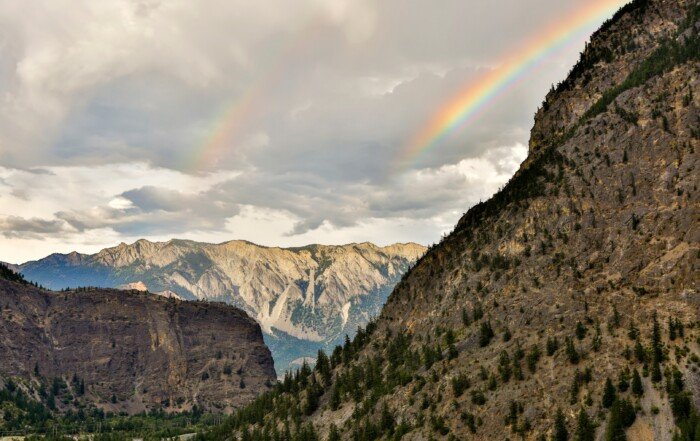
x,y
671,329
679,328
585,429
608,394
507,335
615,430
533,357
627,413
323,366
512,417
637,387
624,381
333,433
335,397
571,351
486,334
580,331
656,372
478,312
616,317
386,420
465,317
639,352
460,383
504,368
560,431
633,331
657,351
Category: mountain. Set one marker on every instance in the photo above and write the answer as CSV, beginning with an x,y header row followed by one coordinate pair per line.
x,y
130,351
304,298
567,305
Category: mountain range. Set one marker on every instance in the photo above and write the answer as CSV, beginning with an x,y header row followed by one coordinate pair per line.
x,y
304,298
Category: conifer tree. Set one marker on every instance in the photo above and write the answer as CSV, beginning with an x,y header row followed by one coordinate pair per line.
x,y
624,381
639,352
323,366
616,317
333,433
656,371
580,331
552,345
671,329
608,394
465,317
571,351
560,431
533,357
585,429
657,351
504,368
486,334
615,430
637,387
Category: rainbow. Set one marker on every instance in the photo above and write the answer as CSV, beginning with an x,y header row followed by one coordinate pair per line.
x,y
477,95
238,111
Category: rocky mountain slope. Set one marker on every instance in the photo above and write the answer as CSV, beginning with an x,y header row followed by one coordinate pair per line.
x,y
566,306
304,298
129,351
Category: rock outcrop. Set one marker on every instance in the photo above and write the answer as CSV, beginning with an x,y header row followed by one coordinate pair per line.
x,y
133,351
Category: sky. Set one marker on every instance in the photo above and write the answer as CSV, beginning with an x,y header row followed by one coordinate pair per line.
x,y
279,122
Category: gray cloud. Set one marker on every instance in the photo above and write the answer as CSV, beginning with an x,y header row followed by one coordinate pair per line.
x,y
318,99
311,199
16,226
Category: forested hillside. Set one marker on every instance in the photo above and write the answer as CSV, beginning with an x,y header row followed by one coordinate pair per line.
x,y
566,306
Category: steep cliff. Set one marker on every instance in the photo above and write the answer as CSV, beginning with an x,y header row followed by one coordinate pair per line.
x,y
305,298
129,351
566,303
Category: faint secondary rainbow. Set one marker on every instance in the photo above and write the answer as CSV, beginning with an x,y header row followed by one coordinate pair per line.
x,y
238,111
479,93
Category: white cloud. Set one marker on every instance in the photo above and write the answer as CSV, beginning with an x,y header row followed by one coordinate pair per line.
x,y
104,207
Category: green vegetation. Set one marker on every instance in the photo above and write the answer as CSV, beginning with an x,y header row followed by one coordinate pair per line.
x,y
609,395
670,53
23,414
485,334
560,431
7,274
585,428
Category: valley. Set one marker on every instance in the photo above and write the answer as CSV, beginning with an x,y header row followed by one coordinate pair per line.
x,y
565,307
305,298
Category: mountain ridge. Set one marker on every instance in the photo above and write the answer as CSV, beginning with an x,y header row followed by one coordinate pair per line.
x,y
316,293
566,306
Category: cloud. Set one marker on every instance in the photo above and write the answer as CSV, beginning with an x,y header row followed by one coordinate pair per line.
x,y
15,226
218,207
146,118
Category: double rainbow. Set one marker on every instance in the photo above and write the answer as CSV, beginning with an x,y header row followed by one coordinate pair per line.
x,y
480,93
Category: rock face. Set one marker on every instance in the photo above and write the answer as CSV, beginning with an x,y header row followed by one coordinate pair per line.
x,y
554,285
304,298
134,351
